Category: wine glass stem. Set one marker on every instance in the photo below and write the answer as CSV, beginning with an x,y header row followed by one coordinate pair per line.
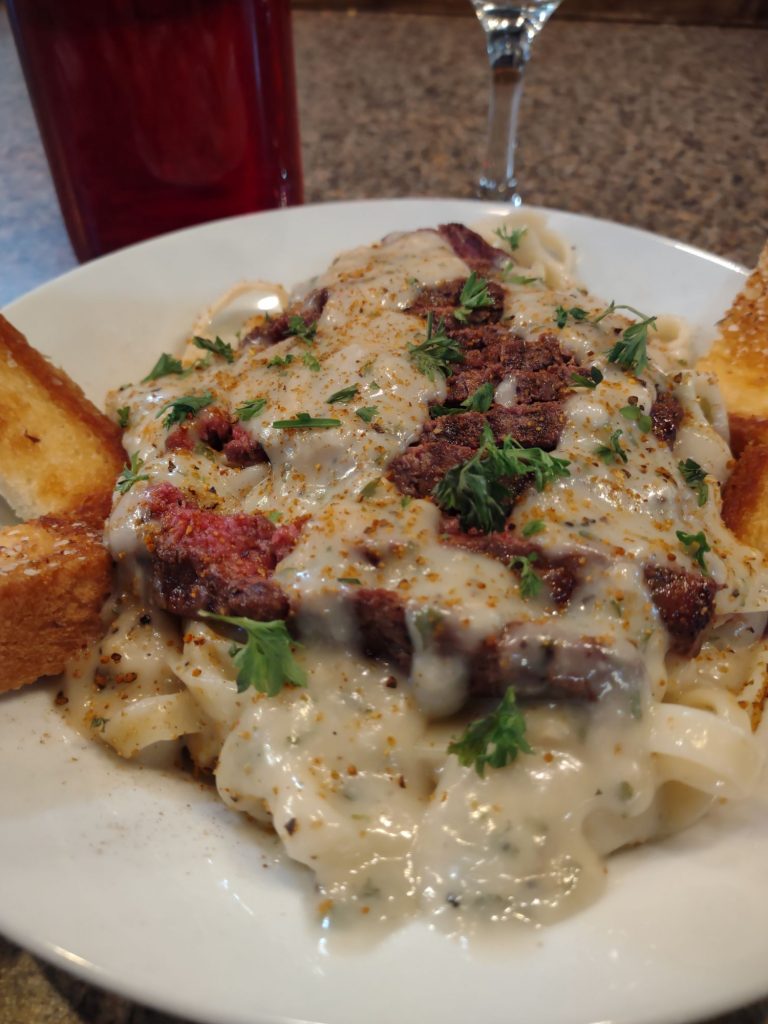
x,y
508,53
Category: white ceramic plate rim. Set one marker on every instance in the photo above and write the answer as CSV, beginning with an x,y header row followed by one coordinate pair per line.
x,y
138,881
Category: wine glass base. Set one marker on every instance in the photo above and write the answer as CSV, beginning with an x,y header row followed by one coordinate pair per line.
x,y
501,191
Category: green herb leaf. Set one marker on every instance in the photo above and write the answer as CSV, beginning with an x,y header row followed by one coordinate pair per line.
x,y
477,489
495,740
370,488
310,362
124,416
248,410
304,421
576,313
265,661
405,501
613,451
591,379
636,415
218,347
512,236
436,352
696,478
164,366
513,278
535,526
131,476
696,546
530,581
474,295
181,408
352,580
344,395
367,412
630,350
480,400
97,722
281,360
301,329
274,516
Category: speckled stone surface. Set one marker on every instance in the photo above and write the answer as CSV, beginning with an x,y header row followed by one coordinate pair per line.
x,y
659,126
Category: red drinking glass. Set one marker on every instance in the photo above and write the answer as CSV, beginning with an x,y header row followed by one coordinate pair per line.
x,y
157,114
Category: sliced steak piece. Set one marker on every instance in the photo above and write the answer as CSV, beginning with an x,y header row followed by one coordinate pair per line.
x,y
215,428
533,426
559,575
539,666
419,469
473,248
380,617
685,602
666,417
210,561
310,309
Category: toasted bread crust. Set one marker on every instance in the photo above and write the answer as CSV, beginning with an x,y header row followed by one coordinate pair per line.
x,y
55,575
56,449
739,357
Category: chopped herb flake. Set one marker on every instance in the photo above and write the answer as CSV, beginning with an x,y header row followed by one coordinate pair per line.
x,y
590,379
304,421
181,408
164,366
512,236
636,415
480,400
530,581
301,329
281,360
218,347
696,478
436,352
696,545
495,740
535,526
265,661
367,412
344,395
310,362
613,451
124,416
131,476
576,313
248,410
474,295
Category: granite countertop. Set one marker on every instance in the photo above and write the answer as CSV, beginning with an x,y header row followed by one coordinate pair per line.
x,y
658,126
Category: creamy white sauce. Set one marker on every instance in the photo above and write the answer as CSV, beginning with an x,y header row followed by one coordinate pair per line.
x,y
353,772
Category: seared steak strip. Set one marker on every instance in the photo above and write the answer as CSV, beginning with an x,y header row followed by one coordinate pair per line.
x,y
443,299
666,416
215,428
210,561
473,248
310,309
685,602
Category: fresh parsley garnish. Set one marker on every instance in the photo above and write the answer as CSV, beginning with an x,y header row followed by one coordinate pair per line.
x,y
590,379
636,415
352,580
131,476
265,661
696,478
513,278
344,395
310,362
218,347
367,412
576,313
97,722
124,416
436,352
495,740
512,236
248,410
478,490
370,488
474,295
613,451
164,366
480,400
181,408
535,526
301,329
696,546
530,581
630,351
303,420
281,360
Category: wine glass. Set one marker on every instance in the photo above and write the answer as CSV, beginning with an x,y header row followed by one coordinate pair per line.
x,y
510,29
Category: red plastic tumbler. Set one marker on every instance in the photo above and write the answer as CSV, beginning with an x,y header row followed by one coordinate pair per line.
x,y
157,114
